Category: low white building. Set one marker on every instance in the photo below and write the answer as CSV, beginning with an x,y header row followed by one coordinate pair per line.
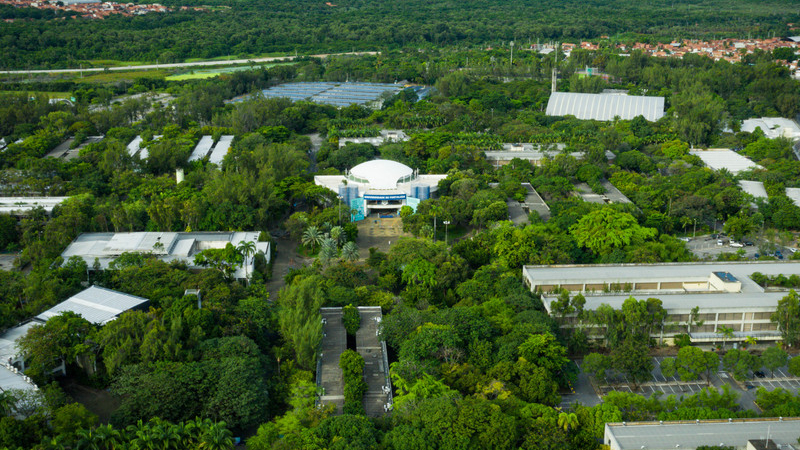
x,y
166,246
384,137
773,127
381,187
21,206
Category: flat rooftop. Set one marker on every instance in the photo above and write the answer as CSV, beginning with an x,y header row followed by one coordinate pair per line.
x,y
612,194
723,158
750,296
689,435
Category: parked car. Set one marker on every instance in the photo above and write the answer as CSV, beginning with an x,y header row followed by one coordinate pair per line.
x,y
759,374
719,241
736,244
685,239
778,254
714,236
792,249
748,243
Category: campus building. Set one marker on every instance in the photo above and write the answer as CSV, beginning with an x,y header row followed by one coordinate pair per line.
x,y
23,206
103,248
605,106
381,187
741,434
96,304
723,291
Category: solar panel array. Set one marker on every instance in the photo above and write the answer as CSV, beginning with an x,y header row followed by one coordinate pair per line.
x,y
332,93
220,150
202,148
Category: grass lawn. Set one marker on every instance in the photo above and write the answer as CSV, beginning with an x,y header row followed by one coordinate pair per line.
x,y
211,73
110,77
48,93
229,57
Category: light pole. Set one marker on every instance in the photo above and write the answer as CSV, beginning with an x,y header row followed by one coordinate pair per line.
x,y
446,223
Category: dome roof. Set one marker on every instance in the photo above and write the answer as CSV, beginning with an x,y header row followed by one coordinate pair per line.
x,y
382,173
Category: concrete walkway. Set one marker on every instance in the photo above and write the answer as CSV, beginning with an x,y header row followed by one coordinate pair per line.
x,y
376,372
334,342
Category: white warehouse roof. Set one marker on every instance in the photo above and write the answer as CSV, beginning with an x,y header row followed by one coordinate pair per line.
x,y
96,304
723,158
605,106
21,205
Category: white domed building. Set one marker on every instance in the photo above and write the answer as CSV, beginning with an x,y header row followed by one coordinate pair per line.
x,y
381,187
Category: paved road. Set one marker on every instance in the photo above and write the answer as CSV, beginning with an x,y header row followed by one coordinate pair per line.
x,y
179,65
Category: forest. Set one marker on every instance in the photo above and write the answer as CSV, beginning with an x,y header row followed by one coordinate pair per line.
x,y
476,361
244,28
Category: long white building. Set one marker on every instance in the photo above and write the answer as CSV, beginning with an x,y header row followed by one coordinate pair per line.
x,y
723,291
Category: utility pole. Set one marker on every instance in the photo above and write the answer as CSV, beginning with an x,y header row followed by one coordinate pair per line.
x,y
446,223
512,54
553,86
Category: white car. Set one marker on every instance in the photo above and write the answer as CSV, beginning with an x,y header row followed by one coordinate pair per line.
x,y
736,244
792,249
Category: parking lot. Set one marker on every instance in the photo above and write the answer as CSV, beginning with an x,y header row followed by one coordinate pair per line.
x,y
782,379
659,383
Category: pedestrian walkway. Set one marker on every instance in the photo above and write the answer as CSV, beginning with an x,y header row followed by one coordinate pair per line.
x,y
334,342
378,398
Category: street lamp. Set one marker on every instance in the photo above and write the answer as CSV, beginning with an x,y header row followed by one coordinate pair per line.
x,y
446,223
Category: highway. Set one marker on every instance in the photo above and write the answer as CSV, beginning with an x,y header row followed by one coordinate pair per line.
x,y
179,65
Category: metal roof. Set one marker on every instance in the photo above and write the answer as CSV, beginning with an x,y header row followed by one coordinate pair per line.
x,y
202,148
723,158
9,205
689,435
220,150
96,304
794,194
605,106
754,188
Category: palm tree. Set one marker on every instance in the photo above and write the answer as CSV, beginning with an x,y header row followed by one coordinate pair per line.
x,y
567,421
108,437
726,332
246,249
337,234
312,236
350,251
217,437
7,403
750,340
328,250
